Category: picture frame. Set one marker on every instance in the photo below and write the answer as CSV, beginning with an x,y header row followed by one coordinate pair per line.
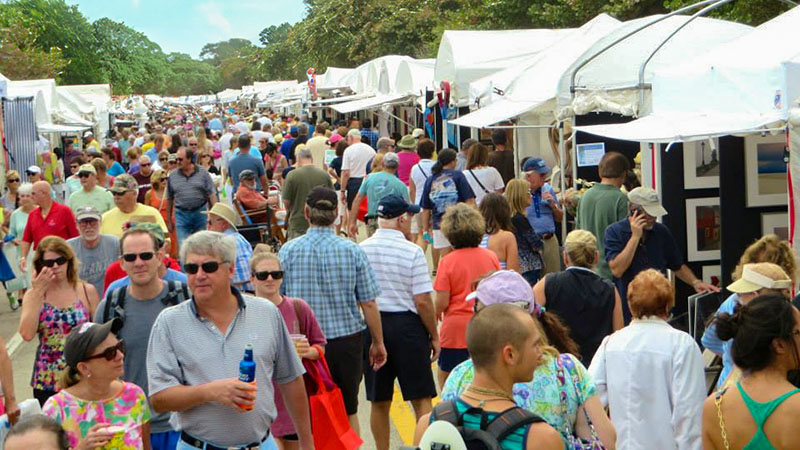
x,y
703,229
701,164
765,170
713,275
775,223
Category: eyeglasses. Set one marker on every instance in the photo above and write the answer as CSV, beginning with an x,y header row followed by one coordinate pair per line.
x,y
13,180
73,166
192,144
208,267
30,174
119,194
88,222
144,164
162,159
275,274
177,160
84,174
163,179
109,353
131,257
61,260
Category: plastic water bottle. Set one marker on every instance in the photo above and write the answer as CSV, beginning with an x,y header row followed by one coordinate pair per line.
x,y
247,371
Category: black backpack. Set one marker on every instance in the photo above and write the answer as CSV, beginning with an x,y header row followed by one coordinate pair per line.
x,y
115,300
491,433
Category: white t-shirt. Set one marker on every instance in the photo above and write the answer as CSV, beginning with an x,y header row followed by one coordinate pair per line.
x,y
419,173
318,147
355,159
489,177
242,127
258,135
225,141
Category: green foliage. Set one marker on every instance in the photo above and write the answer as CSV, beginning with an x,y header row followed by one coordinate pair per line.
x,y
20,59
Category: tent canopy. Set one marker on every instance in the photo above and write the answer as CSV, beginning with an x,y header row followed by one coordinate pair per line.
x,y
369,103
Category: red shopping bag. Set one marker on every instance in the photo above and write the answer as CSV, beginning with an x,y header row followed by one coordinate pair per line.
x,y
329,423
362,210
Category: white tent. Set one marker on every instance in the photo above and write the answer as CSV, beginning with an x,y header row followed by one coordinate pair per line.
x,y
609,81
334,77
534,82
415,76
465,56
48,105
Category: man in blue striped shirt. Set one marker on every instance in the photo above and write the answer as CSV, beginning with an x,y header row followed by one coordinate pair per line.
x,y
334,277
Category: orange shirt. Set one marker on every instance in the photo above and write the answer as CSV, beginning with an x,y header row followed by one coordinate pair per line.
x,y
249,198
457,270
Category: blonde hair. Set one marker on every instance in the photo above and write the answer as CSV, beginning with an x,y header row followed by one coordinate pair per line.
x,y
260,253
377,163
67,378
518,195
581,248
769,248
155,177
463,226
56,244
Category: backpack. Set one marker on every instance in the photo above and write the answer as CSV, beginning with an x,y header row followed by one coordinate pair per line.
x,y
490,433
115,300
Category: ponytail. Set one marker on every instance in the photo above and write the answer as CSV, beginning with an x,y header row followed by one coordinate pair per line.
x,y
446,156
68,377
557,333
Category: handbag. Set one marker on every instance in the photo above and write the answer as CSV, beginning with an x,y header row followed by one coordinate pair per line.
x,y
329,423
574,442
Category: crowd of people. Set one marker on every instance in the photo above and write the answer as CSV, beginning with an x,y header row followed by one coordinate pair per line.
x,y
144,295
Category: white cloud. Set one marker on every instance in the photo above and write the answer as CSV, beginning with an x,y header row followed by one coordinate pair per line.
x,y
135,3
212,13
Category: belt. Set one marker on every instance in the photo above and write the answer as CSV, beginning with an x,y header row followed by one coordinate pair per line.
x,y
192,209
546,235
199,443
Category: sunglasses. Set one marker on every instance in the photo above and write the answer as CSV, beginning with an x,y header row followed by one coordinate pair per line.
x,y
14,180
84,174
144,164
276,274
61,260
192,145
88,222
163,180
30,174
73,166
119,194
131,257
162,159
175,162
208,267
110,353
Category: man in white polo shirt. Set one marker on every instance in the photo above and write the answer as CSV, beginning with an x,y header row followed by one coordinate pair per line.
x,y
407,315
354,165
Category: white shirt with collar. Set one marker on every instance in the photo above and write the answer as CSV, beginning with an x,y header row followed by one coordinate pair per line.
x,y
651,377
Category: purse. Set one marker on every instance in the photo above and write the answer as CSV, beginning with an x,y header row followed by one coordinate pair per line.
x,y
574,442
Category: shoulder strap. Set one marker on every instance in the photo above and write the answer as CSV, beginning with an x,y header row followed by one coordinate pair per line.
x,y
479,181
115,304
446,411
300,323
509,421
173,293
422,171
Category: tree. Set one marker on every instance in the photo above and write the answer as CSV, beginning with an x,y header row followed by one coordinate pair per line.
x,y
191,77
20,59
216,52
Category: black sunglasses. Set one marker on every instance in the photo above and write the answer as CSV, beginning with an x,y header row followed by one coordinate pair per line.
x,y
110,353
131,257
30,174
276,274
208,267
144,164
84,174
178,159
13,180
119,194
61,260
162,159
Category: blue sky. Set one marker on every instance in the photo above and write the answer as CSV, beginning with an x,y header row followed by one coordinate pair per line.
x,y
186,26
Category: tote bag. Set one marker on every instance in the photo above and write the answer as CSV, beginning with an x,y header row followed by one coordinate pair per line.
x,y
329,422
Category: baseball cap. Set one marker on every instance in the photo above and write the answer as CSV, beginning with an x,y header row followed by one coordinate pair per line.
x,y
335,138
87,212
124,183
390,159
153,228
417,133
752,281
322,198
87,168
88,134
393,205
33,169
172,157
648,200
354,133
246,174
536,165
83,339
504,286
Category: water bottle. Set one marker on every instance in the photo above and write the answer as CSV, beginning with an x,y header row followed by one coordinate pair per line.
x,y
247,371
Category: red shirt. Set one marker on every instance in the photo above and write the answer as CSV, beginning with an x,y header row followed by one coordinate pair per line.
x,y
59,222
114,272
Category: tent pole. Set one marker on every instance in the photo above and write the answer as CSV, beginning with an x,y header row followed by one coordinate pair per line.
x,y
562,159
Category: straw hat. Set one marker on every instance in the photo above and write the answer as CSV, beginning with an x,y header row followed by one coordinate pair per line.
x,y
225,212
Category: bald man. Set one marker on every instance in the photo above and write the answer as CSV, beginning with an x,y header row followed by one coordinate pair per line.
x,y
50,218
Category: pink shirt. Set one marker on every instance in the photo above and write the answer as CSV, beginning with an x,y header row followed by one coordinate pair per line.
x,y
407,161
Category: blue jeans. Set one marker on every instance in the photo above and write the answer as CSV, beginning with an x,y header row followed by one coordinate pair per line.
x,y
189,222
268,444
167,440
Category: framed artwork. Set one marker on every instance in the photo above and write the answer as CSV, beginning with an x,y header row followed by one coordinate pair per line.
x,y
775,223
765,170
713,275
701,164
703,232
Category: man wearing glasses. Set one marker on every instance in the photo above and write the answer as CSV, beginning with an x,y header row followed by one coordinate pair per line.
x,y
70,152
90,194
125,190
143,176
189,191
139,303
95,251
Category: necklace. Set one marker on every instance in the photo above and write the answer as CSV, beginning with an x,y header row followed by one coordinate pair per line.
x,y
489,392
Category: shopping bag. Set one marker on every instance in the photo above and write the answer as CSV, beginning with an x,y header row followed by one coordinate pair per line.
x,y
329,423
362,210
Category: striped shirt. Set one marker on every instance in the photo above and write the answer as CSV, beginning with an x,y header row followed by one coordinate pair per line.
x,y
400,268
241,273
186,349
332,275
192,192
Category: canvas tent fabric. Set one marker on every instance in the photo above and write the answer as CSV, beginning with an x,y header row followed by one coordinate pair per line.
x,y
369,103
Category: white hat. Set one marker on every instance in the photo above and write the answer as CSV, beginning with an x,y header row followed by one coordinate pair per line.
x,y
88,134
752,281
33,169
648,200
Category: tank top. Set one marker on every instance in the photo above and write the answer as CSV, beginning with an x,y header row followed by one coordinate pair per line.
x,y
54,326
585,302
485,244
760,413
515,441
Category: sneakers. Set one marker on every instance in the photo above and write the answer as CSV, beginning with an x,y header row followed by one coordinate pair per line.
x,y
12,302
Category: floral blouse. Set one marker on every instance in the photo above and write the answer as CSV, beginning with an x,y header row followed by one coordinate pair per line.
x,y
54,326
128,410
542,395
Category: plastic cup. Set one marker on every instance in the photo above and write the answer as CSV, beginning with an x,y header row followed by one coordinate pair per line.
x,y
297,339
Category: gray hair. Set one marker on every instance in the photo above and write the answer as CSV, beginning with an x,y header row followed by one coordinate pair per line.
x,y
25,189
384,142
388,223
210,243
302,128
305,153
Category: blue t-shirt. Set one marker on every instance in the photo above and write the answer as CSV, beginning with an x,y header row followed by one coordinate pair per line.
x,y
657,250
171,275
712,342
378,185
152,153
286,147
539,213
116,169
215,124
242,162
444,190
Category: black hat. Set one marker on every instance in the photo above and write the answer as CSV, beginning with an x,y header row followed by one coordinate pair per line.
x,y
84,338
323,198
393,206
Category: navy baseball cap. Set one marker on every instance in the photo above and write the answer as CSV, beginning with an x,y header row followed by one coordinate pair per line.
x,y
393,206
536,165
